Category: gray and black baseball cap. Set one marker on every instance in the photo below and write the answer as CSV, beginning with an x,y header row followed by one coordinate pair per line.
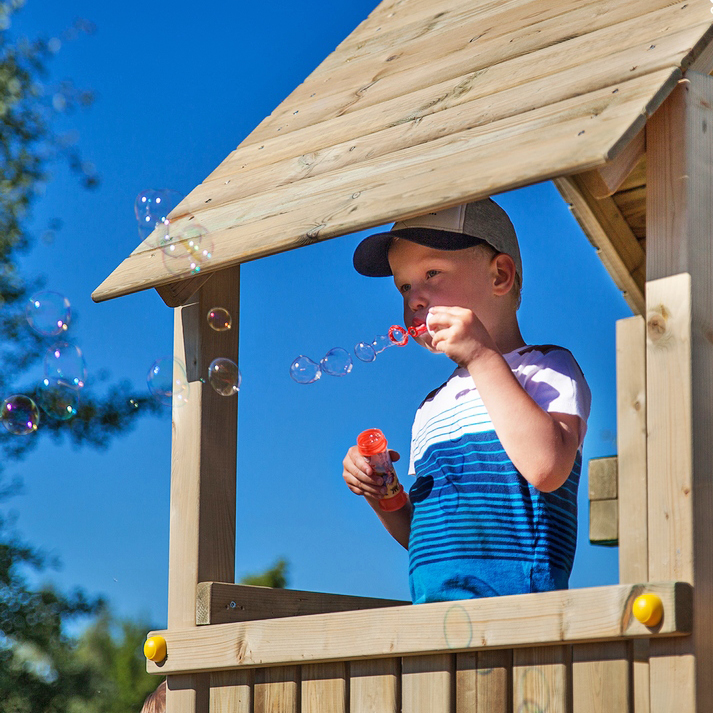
x,y
455,228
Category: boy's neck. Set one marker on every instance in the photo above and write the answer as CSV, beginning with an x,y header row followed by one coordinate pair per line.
x,y
507,337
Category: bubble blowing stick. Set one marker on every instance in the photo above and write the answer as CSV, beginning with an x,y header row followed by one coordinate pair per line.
x,y
372,445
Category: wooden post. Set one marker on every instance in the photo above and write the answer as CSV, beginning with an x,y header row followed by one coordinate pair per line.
x,y
679,265
633,482
203,487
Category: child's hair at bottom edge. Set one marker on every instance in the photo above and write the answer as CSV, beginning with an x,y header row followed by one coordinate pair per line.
x,y
156,702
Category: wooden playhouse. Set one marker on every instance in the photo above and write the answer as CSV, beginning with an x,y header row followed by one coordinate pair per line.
x,y
428,104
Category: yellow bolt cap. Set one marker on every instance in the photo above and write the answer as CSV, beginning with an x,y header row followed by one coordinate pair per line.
x,y
155,648
648,609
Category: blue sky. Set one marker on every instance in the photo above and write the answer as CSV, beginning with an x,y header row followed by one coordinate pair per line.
x,y
178,87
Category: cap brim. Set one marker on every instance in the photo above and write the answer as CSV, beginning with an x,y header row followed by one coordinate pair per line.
x,y
371,257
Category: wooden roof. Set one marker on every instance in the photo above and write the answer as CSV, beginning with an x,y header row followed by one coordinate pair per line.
x,y
431,103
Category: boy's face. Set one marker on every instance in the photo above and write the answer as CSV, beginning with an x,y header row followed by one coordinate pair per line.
x,y
427,277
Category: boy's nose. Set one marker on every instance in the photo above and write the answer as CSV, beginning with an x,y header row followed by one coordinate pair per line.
x,y
416,301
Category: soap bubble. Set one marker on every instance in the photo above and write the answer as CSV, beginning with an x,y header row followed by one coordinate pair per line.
x,y
20,415
65,362
381,342
336,362
187,251
304,371
224,376
48,313
364,352
152,208
219,319
398,335
167,381
58,399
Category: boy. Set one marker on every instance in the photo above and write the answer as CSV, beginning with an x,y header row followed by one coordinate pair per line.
x,y
497,449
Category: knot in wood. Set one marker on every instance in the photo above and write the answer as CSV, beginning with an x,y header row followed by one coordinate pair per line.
x,y
656,326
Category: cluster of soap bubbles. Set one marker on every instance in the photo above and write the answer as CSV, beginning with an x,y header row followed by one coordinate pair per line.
x,y
337,362
186,248
167,379
48,313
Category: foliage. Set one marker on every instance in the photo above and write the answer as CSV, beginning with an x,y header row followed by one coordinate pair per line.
x,y
275,577
113,650
41,668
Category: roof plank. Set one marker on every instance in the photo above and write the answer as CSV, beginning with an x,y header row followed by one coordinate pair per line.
x,y
543,143
393,122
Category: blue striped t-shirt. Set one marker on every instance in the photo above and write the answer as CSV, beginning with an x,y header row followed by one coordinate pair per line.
x,y
478,527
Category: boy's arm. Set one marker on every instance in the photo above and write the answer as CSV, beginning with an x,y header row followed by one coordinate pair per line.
x,y
541,445
361,479
397,523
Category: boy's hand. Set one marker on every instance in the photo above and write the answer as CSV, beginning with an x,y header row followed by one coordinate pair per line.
x,y
459,334
360,477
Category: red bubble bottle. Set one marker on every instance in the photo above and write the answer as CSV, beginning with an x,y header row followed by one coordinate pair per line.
x,y
372,445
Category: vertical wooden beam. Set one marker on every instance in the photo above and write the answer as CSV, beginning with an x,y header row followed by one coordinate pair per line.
x,y
428,683
633,482
203,487
375,686
679,226
631,449
277,689
231,691
600,678
542,679
484,682
324,688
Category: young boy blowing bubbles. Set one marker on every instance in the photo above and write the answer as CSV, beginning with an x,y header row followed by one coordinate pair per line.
x,y
497,449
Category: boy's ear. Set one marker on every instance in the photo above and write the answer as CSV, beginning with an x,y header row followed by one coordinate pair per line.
x,y
503,271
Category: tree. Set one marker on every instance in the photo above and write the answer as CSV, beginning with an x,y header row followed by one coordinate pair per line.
x,y
275,577
39,670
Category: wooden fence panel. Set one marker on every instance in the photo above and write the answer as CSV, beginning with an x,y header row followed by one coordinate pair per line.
x,y
542,679
375,686
324,688
231,691
428,683
601,678
277,690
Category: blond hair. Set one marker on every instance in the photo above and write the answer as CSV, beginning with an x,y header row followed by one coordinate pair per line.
x,y
156,701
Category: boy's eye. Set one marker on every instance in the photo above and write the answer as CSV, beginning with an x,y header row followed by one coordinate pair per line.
x,y
432,273
404,288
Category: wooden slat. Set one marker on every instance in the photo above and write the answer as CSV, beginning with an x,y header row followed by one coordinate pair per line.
x,y
600,678
602,478
277,689
231,692
176,294
219,603
428,684
513,85
508,89
604,522
632,205
631,449
573,616
438,176
202,523
324,688
607,180
607,230
637,178
372,80
680,379
542,679
640,675
375,686
484,682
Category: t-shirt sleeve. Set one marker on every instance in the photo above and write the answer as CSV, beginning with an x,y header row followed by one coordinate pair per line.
x,y
557,384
